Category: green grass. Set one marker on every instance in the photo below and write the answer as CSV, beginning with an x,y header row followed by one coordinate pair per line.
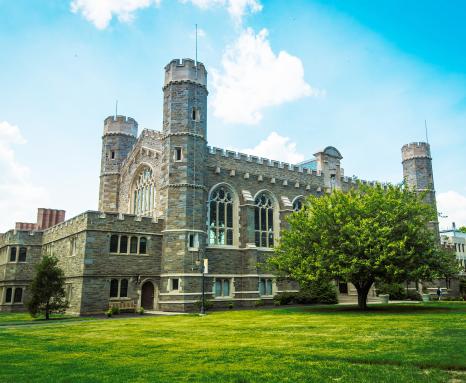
x,y
395,343
8,319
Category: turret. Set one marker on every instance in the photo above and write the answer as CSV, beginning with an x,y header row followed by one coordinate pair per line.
x,y
119,136
418,174
328,162
183,161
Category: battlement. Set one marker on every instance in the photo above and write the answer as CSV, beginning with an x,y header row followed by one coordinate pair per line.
x,y
247,158
185,70
415,150
121,125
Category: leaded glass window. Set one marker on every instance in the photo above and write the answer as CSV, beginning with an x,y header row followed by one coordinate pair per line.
x,y
221,217
123,288
18,297
263,221
265,286
144,193
222,288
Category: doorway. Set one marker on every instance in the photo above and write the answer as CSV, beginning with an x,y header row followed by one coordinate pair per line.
x,y
147,296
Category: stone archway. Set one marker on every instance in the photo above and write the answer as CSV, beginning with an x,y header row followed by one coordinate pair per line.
x,y
147,295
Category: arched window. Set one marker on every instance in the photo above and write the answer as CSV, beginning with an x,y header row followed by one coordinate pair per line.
x,y
133,247
221,216
123,244
18,297
114,243
263,220
13,254
298,203
144,193
114,288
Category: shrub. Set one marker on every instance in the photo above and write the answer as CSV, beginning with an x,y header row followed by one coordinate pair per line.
x,y
395,290
109,313
284,298
141,310
115,310
230,305
208,304
259,303
318,292
414,295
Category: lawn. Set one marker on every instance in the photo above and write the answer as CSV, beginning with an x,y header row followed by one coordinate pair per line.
x,y
396,343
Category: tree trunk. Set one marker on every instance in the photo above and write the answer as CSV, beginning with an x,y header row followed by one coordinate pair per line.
x,y
363,291
47,314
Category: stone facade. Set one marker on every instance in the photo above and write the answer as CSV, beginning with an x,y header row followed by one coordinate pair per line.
x,y
158,220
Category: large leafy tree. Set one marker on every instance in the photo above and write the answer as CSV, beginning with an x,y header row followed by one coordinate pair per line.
x,y
47,289
366,234
462,229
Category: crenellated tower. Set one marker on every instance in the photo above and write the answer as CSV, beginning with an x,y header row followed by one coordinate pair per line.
x,y
418,174
184,156
119,136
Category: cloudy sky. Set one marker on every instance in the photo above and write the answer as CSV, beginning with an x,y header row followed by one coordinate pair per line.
x,y
286,78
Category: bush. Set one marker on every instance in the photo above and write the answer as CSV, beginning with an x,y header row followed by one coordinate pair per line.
x,y
453,299
259,303
109,313
231,305
115,310
414,295
208,304
318,292
395,290
141,310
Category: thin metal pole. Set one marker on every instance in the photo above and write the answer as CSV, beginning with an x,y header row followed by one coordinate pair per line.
x,y
203,292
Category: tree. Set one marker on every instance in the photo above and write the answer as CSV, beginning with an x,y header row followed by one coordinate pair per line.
x,y
366,234
462,229
47,289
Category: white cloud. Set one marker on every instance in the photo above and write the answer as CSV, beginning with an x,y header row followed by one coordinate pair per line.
x,y
101,12
276,147
19,198
253,78
236,8
452,205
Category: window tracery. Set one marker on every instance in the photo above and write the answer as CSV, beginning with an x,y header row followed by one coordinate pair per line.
x,y
221,216
144,193
263,221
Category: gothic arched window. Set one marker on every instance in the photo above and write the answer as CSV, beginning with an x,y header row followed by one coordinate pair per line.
x,y
144,193
221,216
298,204
263,221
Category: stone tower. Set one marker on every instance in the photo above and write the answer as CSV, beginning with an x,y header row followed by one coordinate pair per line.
x,y
183,190
119,136
418,174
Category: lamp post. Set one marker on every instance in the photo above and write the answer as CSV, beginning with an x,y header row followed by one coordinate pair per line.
x,y
203,268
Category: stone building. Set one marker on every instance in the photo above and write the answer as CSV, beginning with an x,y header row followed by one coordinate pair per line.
x,y
167,202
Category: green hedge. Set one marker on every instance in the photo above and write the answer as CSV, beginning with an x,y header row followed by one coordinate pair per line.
x,y
322,292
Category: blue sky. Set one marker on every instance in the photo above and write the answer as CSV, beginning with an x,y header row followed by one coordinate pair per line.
x,y
285,78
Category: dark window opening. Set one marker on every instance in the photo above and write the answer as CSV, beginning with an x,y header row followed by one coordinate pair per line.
x,y
133,248
13,254
124,288
143,245
18,297
114,288
113,155
123,244
8,295
175,284
114,244
22,254
177,154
